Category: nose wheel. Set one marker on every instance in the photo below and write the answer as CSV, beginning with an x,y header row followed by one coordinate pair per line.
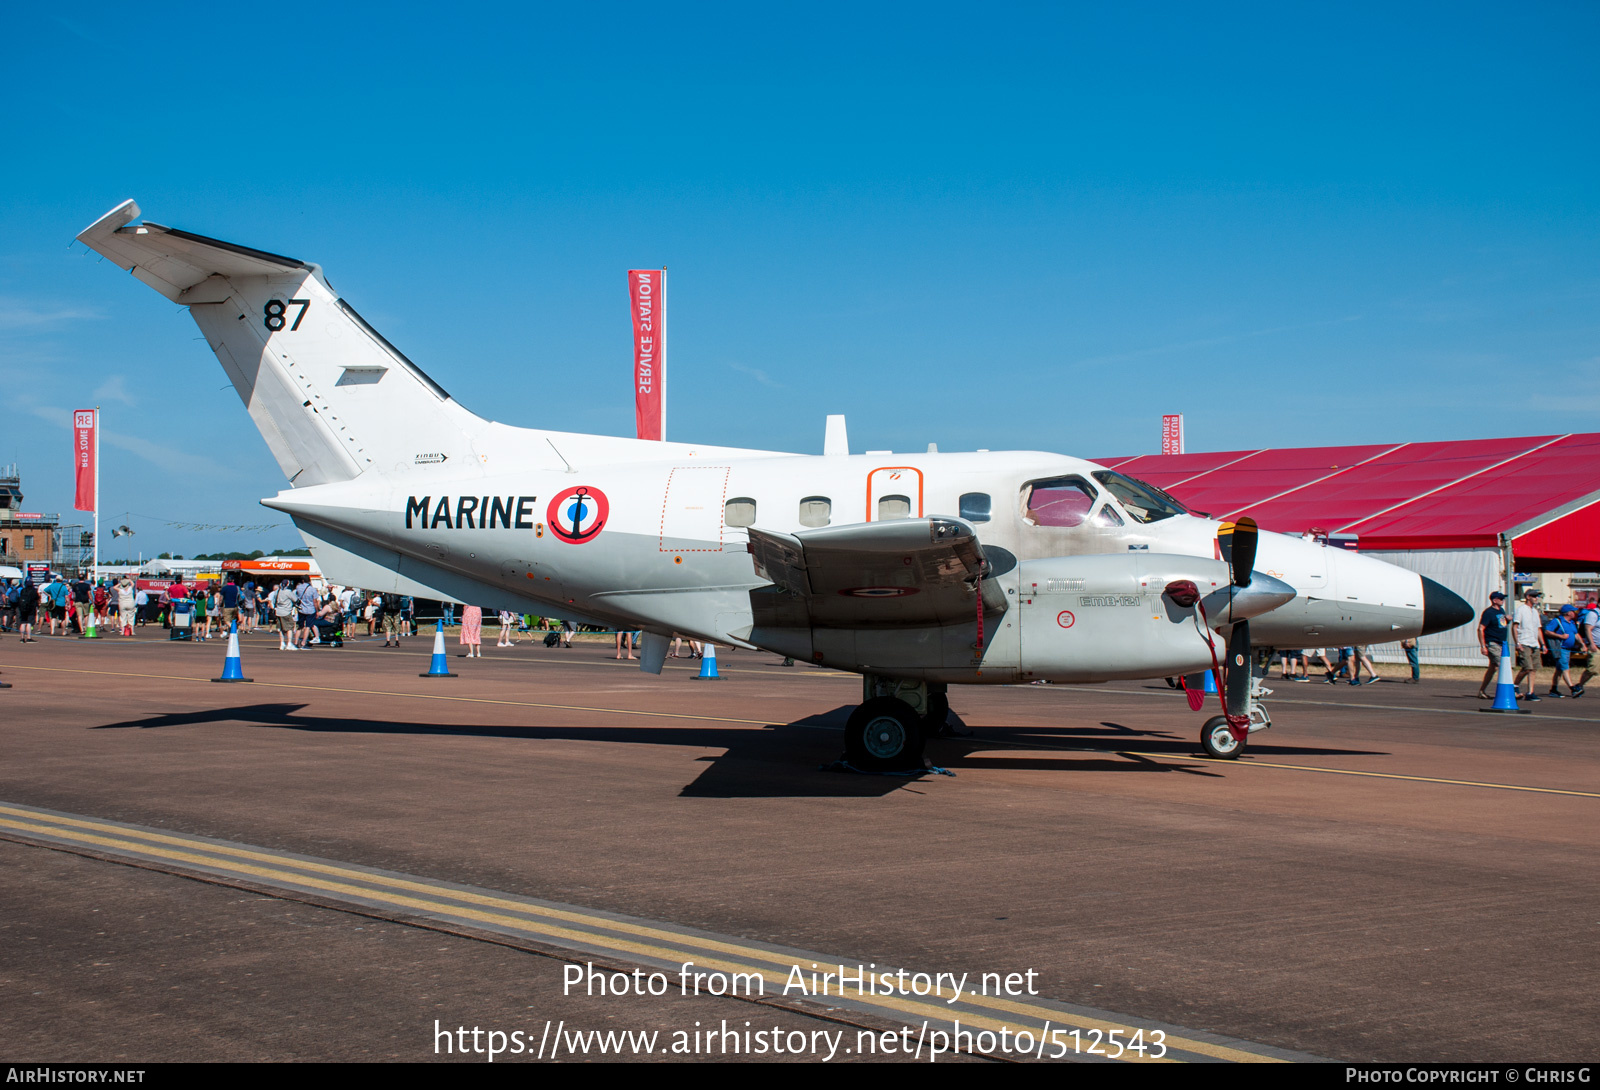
x,y
1216,737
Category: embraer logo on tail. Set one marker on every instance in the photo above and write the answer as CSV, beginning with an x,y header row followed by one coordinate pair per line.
x,y
470,512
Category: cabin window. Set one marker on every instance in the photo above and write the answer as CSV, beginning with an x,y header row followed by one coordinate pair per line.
x,y
740,512
893,507
1059,501
975,506
816,511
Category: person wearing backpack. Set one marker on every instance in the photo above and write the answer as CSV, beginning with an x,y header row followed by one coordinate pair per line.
x,y
285,609
27,609
388,613
1561,637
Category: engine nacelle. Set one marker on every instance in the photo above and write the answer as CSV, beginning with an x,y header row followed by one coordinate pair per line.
x,y
1109,616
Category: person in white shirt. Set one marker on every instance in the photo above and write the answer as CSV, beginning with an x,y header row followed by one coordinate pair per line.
x,y
127,605
1530,639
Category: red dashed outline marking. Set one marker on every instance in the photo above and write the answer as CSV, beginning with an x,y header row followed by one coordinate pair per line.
x,y
661,532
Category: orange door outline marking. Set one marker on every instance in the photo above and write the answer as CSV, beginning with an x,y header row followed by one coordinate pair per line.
x,y
873,473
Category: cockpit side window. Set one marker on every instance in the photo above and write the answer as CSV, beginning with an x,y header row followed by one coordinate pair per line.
x,y
1058,501
1144,502
1107,516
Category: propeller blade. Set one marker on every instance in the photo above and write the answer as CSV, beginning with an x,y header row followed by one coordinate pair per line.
x,y
1238,672
1237,542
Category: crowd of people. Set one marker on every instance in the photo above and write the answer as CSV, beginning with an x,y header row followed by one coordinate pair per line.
x,y
1568,632
1297,664
302,612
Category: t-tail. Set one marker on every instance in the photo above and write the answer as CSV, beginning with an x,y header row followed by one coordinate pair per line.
x,y
332,398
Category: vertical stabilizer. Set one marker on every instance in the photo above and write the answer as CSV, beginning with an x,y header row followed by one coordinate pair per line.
x,y
330,395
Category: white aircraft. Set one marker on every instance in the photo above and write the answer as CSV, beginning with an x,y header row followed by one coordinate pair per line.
x,y
917,571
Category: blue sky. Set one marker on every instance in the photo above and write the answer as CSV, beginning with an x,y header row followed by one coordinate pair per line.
x,y
1032,227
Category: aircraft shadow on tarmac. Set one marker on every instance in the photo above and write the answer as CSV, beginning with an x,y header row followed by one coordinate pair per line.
x,y
785,759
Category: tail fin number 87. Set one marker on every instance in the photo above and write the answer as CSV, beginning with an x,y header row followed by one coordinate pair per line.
x,y
276,309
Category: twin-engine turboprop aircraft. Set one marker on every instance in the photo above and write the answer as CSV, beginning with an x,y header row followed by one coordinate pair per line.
x,y
916,571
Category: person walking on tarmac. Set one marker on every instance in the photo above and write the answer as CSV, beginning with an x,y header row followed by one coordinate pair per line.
x,y
389,617
307,605
57,594
102,604
1561,637
285,607
1530,639
471,635
1492,633
27,609
201,625
127,606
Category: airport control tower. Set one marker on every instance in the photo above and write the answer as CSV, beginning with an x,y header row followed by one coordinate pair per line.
x,y
24,535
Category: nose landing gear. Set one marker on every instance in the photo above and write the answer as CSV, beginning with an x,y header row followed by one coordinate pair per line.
x,y
1217,739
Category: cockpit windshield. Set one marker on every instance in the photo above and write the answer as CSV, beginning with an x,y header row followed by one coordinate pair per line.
x,y
1144,502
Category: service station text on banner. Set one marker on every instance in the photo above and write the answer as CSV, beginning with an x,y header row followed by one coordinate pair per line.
x,y
647,292
83,452
1172,434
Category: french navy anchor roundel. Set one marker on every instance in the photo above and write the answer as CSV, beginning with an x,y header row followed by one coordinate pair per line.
x,y
578,514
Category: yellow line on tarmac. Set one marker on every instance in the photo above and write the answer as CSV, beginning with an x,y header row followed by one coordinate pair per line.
x,y
1397,776
150,844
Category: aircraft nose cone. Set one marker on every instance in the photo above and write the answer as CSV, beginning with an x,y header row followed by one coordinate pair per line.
x,y
1442,608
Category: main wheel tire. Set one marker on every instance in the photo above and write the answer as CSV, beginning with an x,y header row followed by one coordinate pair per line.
x,y
884,734
1218,740
936,724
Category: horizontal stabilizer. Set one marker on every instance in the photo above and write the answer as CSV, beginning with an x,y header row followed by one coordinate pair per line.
x,y
173,261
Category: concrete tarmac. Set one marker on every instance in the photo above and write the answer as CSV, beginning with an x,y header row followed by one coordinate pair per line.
x,y
1387,874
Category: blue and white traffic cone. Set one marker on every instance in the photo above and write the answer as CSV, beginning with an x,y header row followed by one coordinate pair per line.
x,y
439,667
1211,681
708,664
232,668
1505,691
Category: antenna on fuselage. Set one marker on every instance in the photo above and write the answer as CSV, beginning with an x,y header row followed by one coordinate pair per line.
x,y
563,457
834,440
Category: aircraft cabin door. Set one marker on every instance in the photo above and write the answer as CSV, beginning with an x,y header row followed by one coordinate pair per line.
x,y
894,492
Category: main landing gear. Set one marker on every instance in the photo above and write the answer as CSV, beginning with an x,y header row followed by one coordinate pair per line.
x,y
889,728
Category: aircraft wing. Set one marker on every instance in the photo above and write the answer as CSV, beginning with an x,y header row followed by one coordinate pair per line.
x,y
898,573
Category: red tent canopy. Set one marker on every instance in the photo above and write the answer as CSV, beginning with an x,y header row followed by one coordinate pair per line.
x,y
1542,490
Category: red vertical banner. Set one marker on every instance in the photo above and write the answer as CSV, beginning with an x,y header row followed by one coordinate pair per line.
x,y
646,295
1172,434
84,422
